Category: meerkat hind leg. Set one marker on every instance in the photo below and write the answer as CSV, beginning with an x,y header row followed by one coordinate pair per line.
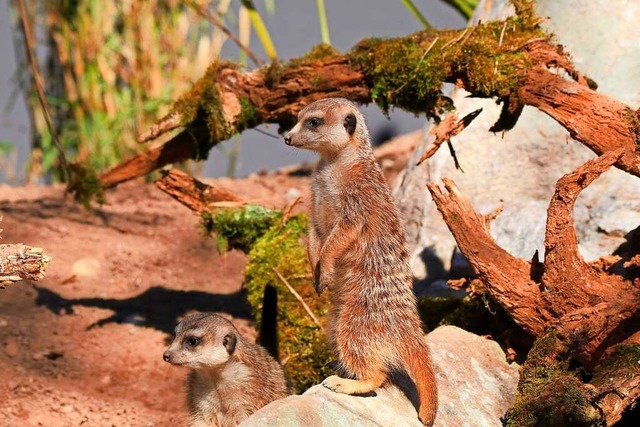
x,y
348,386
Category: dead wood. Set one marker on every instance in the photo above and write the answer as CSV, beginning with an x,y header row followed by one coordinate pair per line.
x,y
447,129
227,100
598,121
19,262
618,379
505,277
194,194
592,309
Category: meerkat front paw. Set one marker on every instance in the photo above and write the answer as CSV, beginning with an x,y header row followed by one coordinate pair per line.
x,y
335,383
348,386
320,279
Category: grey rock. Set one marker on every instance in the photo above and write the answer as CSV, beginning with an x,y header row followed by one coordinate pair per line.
x,y
476,386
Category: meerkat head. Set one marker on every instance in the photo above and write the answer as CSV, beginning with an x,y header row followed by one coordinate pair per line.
x,y
202,340
328,126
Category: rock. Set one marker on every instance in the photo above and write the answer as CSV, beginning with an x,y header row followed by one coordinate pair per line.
x,y
11,348
86,267
476,386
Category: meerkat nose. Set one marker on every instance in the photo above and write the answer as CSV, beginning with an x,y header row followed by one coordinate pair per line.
x,y
166,356
287,140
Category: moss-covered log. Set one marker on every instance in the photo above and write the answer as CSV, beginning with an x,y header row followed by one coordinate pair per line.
x,y
510,61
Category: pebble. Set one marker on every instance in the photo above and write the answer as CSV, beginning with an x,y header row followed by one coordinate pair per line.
x,y
11,348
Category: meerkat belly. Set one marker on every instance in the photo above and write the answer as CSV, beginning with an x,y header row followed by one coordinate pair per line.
x,y
325,211
376,297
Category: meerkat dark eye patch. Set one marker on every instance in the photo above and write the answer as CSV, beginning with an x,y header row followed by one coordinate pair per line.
x,y
314,122
192,341
350,123
229,342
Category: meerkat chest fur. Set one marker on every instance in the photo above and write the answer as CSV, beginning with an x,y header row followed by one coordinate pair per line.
x,y
216,392
327,195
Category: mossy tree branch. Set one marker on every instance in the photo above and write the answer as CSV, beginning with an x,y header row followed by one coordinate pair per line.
x,y
508,61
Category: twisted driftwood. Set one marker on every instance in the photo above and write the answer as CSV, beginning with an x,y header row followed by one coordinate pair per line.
x,y
592,308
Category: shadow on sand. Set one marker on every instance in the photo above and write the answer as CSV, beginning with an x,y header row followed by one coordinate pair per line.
x,y
157,307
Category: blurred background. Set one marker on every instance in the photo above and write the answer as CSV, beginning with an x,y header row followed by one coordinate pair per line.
x,y
110,68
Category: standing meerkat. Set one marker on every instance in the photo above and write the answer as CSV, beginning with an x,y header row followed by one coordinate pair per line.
x,y
357,247
230,377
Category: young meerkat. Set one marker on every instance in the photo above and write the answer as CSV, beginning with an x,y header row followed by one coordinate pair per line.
x,y
357,247
230,377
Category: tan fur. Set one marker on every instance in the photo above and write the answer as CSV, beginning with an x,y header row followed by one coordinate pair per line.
x,y
227,383
357,247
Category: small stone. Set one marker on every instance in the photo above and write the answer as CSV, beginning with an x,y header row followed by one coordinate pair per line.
x,y
11,348
67,409
86,267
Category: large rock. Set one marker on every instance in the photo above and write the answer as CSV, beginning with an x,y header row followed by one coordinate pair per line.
x,y
476,386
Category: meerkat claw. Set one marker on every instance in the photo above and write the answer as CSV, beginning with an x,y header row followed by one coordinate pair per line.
x,y
318,284
348,386
333,383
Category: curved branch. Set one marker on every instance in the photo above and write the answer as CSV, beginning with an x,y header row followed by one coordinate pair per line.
x,y
506,277
598,121
569,278
407,73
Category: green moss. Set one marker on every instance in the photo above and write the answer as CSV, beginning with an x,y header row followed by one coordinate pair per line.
x,y
408,72
239,228
302,343
248,116
549,394
203,102
434,310
317,53
525,10
85,185
625,360
272,245
273,74
480,315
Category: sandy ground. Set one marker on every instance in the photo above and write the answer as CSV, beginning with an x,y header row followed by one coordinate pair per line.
x,y
84,346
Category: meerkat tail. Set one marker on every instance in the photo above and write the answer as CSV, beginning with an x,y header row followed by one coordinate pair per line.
x,y
418,366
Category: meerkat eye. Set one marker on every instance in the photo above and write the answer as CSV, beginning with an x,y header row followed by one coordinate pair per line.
x,y
314,122
192,341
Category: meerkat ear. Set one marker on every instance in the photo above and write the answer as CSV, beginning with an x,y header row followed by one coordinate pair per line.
x,y
350,123
229,343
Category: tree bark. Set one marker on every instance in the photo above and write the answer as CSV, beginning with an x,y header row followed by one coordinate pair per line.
x,y
195,194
